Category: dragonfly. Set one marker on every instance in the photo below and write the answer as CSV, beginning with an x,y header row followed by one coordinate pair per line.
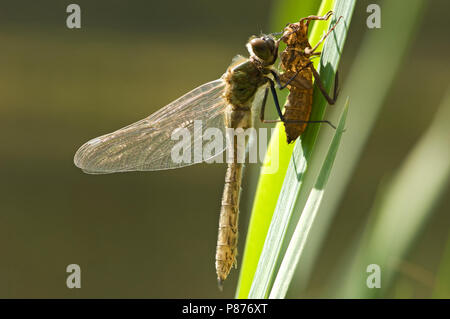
x,y
224,103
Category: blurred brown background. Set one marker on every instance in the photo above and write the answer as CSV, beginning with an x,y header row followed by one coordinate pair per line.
x,y
153,235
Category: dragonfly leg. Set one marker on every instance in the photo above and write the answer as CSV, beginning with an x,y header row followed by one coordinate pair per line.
x,y
319,121
312,17
280,114
275,99
311,50
319,83
263,106
277,79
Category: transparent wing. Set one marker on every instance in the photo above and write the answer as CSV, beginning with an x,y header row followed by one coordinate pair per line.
x,y
147,145
257,102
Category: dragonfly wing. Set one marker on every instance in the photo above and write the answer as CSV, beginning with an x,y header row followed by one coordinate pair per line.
x,y
147,144
258,100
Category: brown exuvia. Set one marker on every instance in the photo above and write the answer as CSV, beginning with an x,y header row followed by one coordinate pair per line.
x,y
298,73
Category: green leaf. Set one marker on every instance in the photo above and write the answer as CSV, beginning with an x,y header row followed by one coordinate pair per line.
x,y
297,169
270,183
368,82
442,288
298,240
403,208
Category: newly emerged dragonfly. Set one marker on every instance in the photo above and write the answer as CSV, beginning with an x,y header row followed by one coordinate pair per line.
x,y
224,103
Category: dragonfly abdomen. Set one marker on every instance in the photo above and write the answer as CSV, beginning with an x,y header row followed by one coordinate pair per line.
x,y
226,250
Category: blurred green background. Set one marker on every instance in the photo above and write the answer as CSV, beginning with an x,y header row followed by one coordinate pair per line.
x,y
153,235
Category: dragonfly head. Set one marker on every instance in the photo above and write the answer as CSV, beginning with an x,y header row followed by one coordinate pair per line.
x,y
264,48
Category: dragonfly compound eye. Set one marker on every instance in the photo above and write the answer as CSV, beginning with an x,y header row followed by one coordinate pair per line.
x,y
263,48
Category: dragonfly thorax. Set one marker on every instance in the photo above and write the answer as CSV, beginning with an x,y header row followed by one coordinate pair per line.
x,y
245,78
242,82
